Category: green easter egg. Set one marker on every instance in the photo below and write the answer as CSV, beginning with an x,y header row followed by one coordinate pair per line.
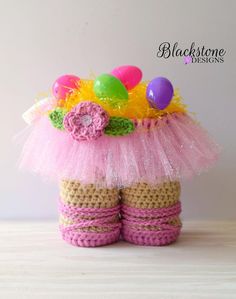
x,y
119,126
108,86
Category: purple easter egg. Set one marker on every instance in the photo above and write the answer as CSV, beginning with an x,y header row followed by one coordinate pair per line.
x,y
159,93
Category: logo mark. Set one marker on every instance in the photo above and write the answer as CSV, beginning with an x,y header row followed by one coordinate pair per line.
x,y
187,59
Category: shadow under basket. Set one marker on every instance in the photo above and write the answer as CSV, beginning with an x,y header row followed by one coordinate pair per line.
x,y
141,214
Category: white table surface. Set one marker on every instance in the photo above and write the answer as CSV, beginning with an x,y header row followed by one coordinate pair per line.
x,y
36,263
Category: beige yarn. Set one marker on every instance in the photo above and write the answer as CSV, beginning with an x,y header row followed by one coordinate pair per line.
x,y
87,196
140,195
66,222
145,196
175,221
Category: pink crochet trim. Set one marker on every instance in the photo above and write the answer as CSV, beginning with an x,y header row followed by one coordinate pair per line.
x,y
86,121
83,239
74,212
157,213
136,226
103,218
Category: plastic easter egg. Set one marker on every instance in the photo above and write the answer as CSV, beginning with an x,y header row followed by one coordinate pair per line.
x,y
64,85
159,93
129,75
108,86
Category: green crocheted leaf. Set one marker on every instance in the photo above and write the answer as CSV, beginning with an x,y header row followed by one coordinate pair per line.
x,y
119,126
56,117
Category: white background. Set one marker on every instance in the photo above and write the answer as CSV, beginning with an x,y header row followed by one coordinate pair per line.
x,y
40,40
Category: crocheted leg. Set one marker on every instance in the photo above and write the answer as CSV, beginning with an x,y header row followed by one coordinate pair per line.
x,y
150,214
89,217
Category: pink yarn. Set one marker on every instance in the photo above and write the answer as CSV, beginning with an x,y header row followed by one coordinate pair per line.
x,y
84,239
131,221
170,148
150,238
86,121
73,212
136,224
102,218
162,213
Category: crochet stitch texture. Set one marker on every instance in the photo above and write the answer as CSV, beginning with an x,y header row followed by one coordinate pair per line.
x,y
56,117
86,121
119,126
119,147
141,214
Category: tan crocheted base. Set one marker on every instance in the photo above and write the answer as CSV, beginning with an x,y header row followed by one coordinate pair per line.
x,y
141,196
144,196
67,221
87,196
175,221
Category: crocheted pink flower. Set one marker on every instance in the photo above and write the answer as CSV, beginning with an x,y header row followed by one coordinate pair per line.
x,y
86,121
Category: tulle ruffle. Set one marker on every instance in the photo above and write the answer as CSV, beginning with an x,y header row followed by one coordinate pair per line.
x,y
170,148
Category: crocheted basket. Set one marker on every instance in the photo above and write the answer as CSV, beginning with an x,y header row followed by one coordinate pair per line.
x,y
119,148
88,216
148,215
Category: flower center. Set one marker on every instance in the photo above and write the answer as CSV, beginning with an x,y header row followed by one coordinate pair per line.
x,y
86,120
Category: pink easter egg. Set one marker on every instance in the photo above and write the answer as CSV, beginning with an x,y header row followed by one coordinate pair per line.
x,y
64,85
129,75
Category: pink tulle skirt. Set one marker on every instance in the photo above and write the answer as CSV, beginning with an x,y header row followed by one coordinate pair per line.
x,y
170,148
